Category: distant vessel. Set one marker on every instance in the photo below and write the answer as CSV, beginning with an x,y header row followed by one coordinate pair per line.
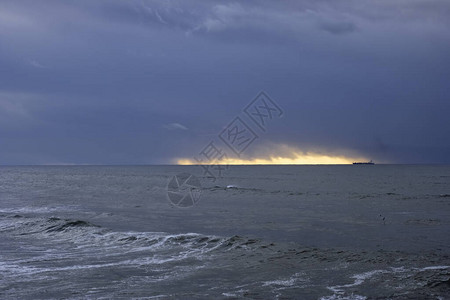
x,y
364,163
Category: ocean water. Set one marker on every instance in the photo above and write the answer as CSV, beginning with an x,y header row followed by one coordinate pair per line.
x,y
260,232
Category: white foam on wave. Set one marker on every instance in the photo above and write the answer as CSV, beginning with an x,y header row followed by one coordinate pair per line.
x,y
232,186
88,234
85,235
434,268
40,209
19,269
339,290
229,295
359,279
341,297
288,282
92,242
159,243
236,294
296,280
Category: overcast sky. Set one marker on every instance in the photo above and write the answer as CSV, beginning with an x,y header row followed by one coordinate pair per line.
x,y
146,82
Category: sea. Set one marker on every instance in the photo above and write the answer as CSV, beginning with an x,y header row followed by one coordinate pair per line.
x,y
257,232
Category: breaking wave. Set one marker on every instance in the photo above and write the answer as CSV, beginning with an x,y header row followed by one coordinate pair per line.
x,y
138,262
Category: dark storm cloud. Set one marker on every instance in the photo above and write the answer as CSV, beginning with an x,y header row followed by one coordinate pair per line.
x,y
102,81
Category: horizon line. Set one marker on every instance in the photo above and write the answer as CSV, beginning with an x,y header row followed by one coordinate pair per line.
x,y
162,164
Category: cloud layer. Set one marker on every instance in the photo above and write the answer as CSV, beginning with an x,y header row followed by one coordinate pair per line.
x,y
104,81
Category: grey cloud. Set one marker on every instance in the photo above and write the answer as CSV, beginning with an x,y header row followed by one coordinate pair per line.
x,y
175,126
93,81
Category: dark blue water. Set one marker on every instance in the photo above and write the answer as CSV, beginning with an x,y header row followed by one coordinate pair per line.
x,y
302,232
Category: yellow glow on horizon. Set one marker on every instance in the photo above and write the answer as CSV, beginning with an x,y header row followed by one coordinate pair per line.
x,y
297,158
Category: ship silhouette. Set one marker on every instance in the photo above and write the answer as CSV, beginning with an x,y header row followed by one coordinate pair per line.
x,y
364,163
